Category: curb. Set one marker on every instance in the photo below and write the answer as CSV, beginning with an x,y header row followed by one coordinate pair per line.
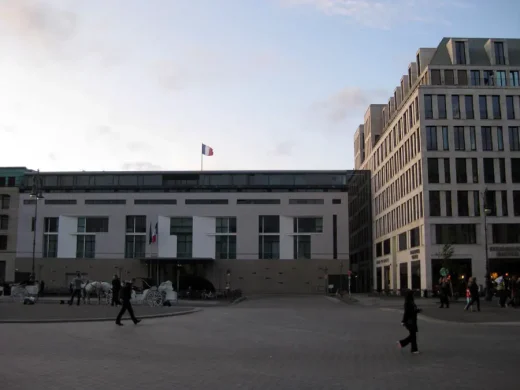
x,y
104,319
238,300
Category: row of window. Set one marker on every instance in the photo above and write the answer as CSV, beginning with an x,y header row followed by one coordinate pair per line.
x,y
9,181
498,52
466,233
494,170
402,215
492,138
406,240
5,202
477,78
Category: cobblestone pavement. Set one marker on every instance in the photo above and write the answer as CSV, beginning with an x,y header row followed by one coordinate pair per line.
x,y
292,343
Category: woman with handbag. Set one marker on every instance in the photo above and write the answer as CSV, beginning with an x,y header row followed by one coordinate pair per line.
x,y
409,321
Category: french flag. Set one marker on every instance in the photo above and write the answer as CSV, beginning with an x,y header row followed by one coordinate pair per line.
x,y
206,150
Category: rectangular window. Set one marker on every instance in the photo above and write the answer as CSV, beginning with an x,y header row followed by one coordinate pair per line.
x,y
306,201
441,106
489,171
490,202
476,203
155,201
226,247
460,141
510,107
488,78
269,247
182,227
462,75
460,52
497,112
205,201
85,246
258,201
487,138
449,78
472,138
500,138
99,202
514,139
502,169
455,106
5,202
428,107
415,237
514,78
269,224
516,203
302,247
433,170
458,234
308,225
505,208
403,244
461,170
435,204
474,169
135,246
136,224
445,138
506,233
449,211
50,246
417,107
468,102
436,77
482,102
462,203
226,225
515,170
3,242
447,171
61,201
93,225
501,78
431,138
500,58
475,77
4,222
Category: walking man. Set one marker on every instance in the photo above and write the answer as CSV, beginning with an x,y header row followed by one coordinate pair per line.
x,y
76,288
126,296
116,289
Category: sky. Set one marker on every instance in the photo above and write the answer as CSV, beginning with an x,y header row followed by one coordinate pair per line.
x,y
268,84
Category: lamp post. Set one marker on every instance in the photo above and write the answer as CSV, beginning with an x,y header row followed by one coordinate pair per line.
x,y
487,212
36,194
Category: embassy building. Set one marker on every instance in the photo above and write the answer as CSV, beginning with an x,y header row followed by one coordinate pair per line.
x,y
259,231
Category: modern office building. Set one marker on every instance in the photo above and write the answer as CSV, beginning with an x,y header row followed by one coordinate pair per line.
x,y
261,231
444,156
10,179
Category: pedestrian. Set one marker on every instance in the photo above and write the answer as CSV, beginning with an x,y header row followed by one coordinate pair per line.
x,y
409,321
42,288
468,296
445,292
116,289
474,294
501,291
514,291
76,288
127,305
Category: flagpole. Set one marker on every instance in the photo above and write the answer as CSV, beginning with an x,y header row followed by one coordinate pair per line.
x,y
201,162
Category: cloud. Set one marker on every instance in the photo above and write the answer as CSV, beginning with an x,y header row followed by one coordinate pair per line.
x,y
51,156
283,149
140,166
7,129
350,101
383,14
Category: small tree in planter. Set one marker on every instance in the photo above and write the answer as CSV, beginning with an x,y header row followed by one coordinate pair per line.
x,y
446,254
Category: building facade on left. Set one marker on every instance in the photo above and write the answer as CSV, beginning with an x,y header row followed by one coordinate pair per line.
x,y
10,178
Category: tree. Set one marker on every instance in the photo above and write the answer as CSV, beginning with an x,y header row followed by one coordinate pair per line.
x,y
446,254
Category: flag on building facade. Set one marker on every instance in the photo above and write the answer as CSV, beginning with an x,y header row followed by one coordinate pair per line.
x,y
206,150
155,233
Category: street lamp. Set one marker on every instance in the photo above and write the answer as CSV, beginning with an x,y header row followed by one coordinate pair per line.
x,y
36,194
487,212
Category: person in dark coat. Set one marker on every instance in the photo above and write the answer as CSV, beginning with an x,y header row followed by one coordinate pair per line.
x,y
409,321
445,292
126,296
474,293
116,289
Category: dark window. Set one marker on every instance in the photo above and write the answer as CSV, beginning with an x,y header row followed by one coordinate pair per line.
x,y
428,107
500,58
50,246
105,201
447,171
500,138
403,244
269,247
433,170
462,203
306,201
386,247
497,112
515,170
449,207
184,246
474,169
435,204
502,169
505,208
29,201
476,203
92,225
136,224
490,202
489,170
455,106
2,181
488,77
258,201
515,80
302,247
510,107
155,201
50,225
415,237
461,234
461,170
441,105
445,138
460,141
85,246
4,222
269,224
336,201
135,246
431,138
463,77
379,249
61,201
470,113
226,225
181,225
11,181
3,242
449,78
436,76
473,138
205,201
460,52
514,138
417,106
475,77
516,203
487,138
506,233
226,247
308,225
5,202
482,102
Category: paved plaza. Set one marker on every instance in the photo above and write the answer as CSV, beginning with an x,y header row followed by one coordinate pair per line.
x,y
270,343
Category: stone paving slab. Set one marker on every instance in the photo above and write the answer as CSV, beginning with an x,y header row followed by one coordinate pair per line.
x,y
17,312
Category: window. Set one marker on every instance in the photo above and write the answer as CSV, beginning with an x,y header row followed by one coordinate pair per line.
x,y
441,105
500,58
302,247
515,170
428,107
489,170
447,171
462,203
3,243
505,208
258,201
455,106
379,249
136,224
415,237
473,138
497,113
403,245
482,102
182,227
92,225
461,170
500,138
308,225
462,75
269,247
510,107
461,234
306,201
4,222
468,102
514,139
105,201
436,77
337,201
502,169
433,170
516,203
474,169
205,201
50,225
386,247
155,201
460,52
488,77
5,202
445,138
449,207
476,203
431,138
269,224
435,204
475,77
460,141
50,245
449,78
417,106
506,233
487,138
501,78
85,246
226,247
490,202
135,246
514,80
226,225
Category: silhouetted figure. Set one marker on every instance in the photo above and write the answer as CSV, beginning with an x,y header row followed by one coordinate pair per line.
x,y
116,289
76,288
409,321
126,305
